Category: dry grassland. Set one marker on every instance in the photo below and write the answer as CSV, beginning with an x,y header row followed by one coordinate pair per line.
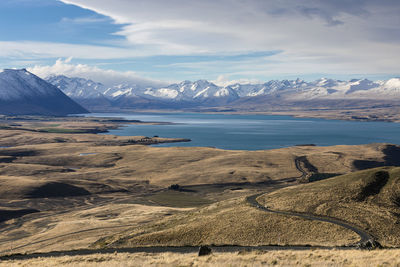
x,y
77,228
318,258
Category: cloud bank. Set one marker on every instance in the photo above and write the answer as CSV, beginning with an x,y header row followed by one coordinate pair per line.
x,y
358,36
106,77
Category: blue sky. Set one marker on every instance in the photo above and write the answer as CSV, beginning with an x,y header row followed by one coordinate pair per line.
x,y
54,21
219,40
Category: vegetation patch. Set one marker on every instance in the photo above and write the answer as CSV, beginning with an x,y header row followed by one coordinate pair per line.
x,y
321,176
62,130
178,199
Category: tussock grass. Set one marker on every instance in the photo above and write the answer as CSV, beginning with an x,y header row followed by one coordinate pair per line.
x,y
256,258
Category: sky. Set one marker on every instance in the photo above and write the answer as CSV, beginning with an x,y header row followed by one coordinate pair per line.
x,y
225,41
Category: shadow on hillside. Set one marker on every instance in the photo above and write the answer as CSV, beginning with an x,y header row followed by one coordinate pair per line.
x,y
55,189
391,158
11,214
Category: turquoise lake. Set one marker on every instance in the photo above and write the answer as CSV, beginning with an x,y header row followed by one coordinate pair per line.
x,y
256,132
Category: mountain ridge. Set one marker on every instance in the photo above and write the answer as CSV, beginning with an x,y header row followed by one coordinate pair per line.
x,y
204,92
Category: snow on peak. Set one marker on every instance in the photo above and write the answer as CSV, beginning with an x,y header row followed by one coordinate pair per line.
x,y
393,83
162,93
20,83
76,87
203,90
222,92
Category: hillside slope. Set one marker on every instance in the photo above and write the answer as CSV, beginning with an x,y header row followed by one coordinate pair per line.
x,y
22,92
369,199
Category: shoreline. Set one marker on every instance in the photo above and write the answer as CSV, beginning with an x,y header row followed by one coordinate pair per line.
x,y
72,127
315,114
81,125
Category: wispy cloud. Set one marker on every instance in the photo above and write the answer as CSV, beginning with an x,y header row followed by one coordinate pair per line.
x,y
32,49
84,20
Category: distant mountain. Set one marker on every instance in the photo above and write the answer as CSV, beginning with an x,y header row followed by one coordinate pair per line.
x,y
87,93
77,87
22,92
183,94
297,90
198,92
205,93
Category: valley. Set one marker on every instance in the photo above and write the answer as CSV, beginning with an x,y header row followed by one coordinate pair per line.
x,y
73,189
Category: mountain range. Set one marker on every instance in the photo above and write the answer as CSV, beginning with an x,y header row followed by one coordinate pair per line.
x,y
22,92
205,93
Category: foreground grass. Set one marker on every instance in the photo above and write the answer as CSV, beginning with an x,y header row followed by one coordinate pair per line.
x,y
255,258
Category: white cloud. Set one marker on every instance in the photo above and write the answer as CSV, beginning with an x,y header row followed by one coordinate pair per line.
x,y
106,77
358,36
35,50
224,80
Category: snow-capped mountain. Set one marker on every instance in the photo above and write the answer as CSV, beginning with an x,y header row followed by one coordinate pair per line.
x,y
77,87
119,90
22,92
273,87
353,89
203,92
389,89
198,91
323,88
87,93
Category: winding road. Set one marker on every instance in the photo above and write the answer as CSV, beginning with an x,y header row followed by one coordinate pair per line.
x,y
299,168
364,236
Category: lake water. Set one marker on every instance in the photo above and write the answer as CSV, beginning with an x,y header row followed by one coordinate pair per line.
x,y
255,132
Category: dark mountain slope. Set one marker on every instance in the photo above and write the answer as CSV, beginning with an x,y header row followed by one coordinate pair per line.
x,y
22,92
